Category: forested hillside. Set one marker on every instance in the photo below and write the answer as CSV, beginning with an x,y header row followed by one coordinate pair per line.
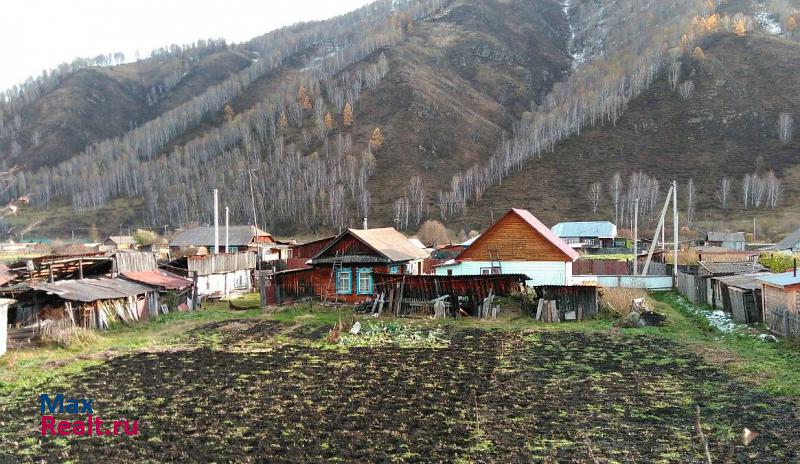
x,y
403,111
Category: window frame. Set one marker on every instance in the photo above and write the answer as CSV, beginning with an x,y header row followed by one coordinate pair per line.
x,y
340,289
364,271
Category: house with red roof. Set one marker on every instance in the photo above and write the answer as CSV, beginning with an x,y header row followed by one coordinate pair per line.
x,y
516,244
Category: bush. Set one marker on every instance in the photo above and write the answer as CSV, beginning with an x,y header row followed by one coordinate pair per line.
x,y
617,301
778,261
433,233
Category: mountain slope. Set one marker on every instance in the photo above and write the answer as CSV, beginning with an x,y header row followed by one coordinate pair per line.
x,y
97,103
488,104
727,128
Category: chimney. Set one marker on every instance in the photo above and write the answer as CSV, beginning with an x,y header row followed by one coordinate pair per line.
x,y
365,223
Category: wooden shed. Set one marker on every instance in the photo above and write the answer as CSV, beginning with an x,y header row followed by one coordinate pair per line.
x,y
781,301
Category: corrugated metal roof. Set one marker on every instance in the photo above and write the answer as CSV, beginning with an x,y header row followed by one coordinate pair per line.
x,y
787,279
745,282
740,267
791,242
89,290
204,236
158,278
470,241
599,229
725,237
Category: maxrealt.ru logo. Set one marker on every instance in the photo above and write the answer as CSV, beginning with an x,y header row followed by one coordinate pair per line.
x,y
91,426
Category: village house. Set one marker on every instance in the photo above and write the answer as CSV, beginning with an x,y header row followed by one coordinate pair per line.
x,y
200,240
518,243
587,235
220,275
781,302
790,243
119,242
727,240
343,270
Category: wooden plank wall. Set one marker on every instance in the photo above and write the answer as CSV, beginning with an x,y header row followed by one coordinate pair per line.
x,y
515,240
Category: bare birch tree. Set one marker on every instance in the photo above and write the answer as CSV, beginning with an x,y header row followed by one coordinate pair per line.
x,y
785,128
594,195
724,191
691,201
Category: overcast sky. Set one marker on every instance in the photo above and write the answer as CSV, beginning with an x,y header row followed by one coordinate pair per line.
x,y
39,34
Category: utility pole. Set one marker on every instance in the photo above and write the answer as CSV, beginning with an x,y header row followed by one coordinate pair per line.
x,y
253,197
754,230
227,234
675,232
636,236
216,221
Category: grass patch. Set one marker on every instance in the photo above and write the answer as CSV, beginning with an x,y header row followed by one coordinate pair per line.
x,y
772,366
29,368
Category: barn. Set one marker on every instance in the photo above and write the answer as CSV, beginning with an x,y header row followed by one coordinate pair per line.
x,y
516,244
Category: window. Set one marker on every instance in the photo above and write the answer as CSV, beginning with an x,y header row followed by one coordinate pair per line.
x,y
490,270
365,281
344,282
394,269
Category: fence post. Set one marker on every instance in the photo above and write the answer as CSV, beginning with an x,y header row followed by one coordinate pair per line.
x,y
262,289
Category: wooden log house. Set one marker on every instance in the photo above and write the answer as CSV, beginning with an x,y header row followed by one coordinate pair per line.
x,y
343,270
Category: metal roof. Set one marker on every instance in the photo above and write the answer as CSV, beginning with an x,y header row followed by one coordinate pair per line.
x,y
89,290
158,278
121,239
791,242
599,229
204,236
740,267
725,237
745,281
386,241
787,279
471,241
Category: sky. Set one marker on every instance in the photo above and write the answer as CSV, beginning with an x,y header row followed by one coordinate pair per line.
x,y
39,34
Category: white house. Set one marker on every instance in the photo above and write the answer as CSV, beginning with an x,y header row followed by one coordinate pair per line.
x,y
516,244
223,274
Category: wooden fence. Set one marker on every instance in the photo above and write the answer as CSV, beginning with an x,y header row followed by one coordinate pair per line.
x,y
784,322
573,302
693,288
601,267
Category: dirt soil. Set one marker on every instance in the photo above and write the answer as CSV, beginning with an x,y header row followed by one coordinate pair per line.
x,y
491,396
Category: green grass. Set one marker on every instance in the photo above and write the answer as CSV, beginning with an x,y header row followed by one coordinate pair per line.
x,y
28,368
772,366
